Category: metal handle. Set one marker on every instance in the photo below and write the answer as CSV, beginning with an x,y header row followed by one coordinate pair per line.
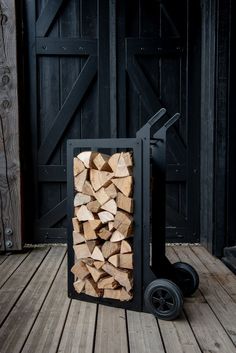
x,y
154,119
158,121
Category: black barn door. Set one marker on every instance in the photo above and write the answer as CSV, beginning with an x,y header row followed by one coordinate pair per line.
x,y
101,69
162,49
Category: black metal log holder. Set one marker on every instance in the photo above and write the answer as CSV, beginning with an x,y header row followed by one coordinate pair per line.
x,y
159,286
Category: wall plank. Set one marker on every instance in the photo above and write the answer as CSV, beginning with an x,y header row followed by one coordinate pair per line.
x,y
10,179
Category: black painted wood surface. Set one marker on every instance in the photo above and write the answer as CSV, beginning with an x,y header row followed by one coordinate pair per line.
x,y
101,69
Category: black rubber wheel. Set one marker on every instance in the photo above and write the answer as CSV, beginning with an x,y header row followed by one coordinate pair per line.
x,y
163,299
188,279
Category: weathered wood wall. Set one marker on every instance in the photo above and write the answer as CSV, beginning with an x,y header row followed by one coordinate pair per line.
x,y
10,179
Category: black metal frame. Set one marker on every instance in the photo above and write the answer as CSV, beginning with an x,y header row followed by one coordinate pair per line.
x,y
149,152
135,144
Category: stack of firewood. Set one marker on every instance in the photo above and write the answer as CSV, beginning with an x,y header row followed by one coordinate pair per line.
x,y
103,225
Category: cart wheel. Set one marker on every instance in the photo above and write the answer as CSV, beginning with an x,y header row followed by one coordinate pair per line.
x,y
163,299
188,279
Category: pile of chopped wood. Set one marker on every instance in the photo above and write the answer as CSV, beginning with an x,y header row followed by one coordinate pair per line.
x,y
103,225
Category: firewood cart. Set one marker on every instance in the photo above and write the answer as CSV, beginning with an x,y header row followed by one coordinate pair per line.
x,y
158,285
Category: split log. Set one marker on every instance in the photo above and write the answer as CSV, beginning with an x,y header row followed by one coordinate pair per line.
x,y
126,261
81,199
125,247
113,161
83,214
111,191
80,180
104,234
100,179
87,188
124,202
108,282
125,296
117,236
95,224
88,260
81,251
112,293
76,225
93,206
114,260
97,254
91,288
109,249
87,158
79,286
78,238
124,185
91,245
101,162
123,222
119,294
98,264
89,233
111,226
78,166
110,206
105,217
122,170
101,196
121,276
80,270
128,158
96,273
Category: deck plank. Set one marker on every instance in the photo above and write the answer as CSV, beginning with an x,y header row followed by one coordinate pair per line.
x,y
218,299
216,267
173,257
19,323
13,288
208,330
79,328
2,258
111,334
144,334
37,316
10,265
171,254
51,319
178,336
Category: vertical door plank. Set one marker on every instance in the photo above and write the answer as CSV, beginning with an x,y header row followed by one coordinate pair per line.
x,y
10,178
103,69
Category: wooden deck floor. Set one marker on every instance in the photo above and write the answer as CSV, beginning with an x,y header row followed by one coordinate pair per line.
x,y
36,315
